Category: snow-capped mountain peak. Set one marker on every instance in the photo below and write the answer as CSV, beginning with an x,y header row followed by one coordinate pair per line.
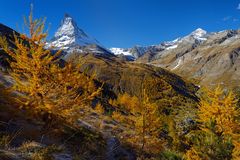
x,y
199,34
69,28
69,35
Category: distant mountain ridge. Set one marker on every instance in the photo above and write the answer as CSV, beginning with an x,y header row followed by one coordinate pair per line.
x,y
212,60
197,36
69,37
207,58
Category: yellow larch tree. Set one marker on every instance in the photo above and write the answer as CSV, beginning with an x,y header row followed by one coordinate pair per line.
x,y
218,117
141,120
147,125
221,108
39,80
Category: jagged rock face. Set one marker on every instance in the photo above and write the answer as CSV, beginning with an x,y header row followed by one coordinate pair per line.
x,y
181,45
70,37
213,61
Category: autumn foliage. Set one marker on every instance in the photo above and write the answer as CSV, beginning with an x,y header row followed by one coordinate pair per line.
x,y
142,122
40,82
219,134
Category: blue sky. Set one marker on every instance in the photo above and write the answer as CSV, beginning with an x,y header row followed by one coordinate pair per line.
x,y
125,23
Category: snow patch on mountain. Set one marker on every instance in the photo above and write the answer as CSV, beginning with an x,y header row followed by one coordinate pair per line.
x,y
172,47
198,34
171,43
119,51
178,63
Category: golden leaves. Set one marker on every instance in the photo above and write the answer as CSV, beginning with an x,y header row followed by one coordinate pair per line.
x,y
192,154
99,108
220,108
218,117
141,120
39,81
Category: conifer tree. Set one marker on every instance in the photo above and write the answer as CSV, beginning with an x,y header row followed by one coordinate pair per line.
x,y
141,119
147,125
219,133
39,81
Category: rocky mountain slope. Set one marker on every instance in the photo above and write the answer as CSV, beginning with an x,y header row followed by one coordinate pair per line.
x,y
212,60
122,76
208,58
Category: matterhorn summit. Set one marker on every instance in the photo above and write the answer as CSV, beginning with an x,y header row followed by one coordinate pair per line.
x,y
69,35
